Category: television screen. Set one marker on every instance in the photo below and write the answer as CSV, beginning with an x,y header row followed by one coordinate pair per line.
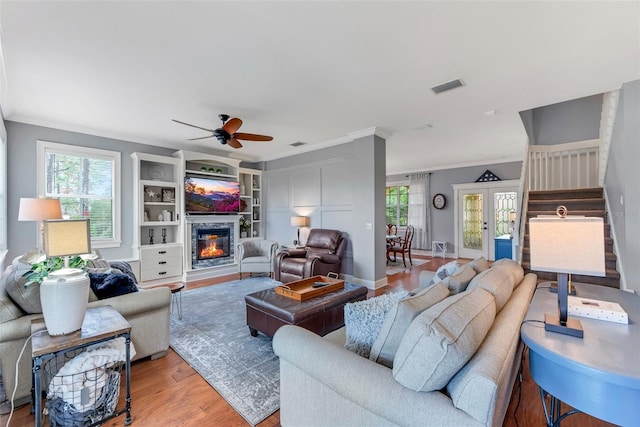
x,y
208,195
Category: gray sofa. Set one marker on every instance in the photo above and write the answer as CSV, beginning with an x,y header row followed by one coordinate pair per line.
x,y
147,311
322,383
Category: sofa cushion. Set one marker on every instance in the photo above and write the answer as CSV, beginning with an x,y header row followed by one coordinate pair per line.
x,y
498,281
398,319
442,339
516,269
458,281
107,285
363,320
8,309
479,265
27,298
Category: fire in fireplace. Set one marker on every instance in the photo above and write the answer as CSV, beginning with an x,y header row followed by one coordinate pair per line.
x,y
213,243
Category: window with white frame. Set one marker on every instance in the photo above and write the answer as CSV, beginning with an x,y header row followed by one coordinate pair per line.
x,y
397,204
87,182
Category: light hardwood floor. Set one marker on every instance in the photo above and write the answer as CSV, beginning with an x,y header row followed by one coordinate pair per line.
x,y
168,392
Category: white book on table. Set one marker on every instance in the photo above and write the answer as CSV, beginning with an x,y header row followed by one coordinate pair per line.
x,y
597,309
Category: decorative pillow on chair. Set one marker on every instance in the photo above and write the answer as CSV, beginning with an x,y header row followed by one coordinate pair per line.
x,y
441,340
108,285
363,320
398,319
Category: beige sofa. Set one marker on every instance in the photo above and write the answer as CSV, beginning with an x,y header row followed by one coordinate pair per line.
x,y
322,383
147,311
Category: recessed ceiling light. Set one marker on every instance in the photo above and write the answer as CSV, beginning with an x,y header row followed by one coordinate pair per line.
x,y
490,113
447,86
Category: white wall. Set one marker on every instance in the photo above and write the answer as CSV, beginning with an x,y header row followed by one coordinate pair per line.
x,y
342,188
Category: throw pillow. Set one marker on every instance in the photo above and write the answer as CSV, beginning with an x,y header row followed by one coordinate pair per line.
x,y
443,271
516,269
108,285
27,298
498,281
8,309
458,281
479,265
398,320
442,339
363,320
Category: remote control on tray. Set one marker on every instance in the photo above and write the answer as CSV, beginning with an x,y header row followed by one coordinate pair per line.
x,y
319,284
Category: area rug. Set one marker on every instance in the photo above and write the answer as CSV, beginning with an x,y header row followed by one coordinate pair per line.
x,y
398,267
214,339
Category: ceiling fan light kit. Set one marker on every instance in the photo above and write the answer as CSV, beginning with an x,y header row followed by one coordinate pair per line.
x,y
228,133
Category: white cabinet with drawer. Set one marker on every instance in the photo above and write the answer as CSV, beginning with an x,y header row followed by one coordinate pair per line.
x,y
160,262
157,218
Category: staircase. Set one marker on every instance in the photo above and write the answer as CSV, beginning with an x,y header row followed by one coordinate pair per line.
x,y
583,201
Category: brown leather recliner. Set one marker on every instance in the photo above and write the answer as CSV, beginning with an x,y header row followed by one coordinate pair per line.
x,y
321,255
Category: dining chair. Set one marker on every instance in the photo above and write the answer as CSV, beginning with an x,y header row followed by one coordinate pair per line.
x,y
403,246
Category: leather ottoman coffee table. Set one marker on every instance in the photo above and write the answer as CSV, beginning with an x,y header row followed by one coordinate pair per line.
x,y
268,310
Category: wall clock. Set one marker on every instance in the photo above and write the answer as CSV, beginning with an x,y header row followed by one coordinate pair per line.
x,y
439,201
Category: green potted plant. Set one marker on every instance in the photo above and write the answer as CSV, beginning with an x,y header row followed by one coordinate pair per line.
x,y
42,266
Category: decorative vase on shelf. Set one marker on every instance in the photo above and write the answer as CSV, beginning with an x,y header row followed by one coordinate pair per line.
x,y
242,188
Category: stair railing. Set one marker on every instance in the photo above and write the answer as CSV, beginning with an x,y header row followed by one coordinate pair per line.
x,y
564,166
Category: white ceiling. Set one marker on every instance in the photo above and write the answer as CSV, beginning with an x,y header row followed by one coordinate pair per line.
x,y
317,72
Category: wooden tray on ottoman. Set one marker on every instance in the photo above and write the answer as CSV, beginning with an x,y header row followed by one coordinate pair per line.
x,y
302,290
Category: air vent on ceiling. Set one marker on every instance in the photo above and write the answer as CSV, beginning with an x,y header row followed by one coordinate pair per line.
x,y
447,86
297,144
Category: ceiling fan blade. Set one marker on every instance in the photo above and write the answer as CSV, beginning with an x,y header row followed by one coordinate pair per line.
x,y
202,137
234,143
193,126
232,125
252,137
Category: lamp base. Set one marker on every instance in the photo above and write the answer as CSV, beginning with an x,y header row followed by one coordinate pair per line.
x,y
553,288
573,327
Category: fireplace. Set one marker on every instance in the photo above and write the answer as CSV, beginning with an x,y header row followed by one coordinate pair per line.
x,y
212,244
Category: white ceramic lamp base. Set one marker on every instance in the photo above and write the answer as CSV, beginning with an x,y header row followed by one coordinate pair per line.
x,y
64,302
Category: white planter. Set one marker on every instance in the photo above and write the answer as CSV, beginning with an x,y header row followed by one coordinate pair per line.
x,y
64,302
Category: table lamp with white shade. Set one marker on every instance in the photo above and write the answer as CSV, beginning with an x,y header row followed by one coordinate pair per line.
x,y
566,245
299,221
64,293
39,209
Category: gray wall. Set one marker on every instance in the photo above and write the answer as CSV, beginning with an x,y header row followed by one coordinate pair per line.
x,y
569,121
340,187
21,180
442,181
621,181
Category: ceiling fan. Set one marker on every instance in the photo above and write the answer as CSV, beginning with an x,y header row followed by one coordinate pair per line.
x,y
227,134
